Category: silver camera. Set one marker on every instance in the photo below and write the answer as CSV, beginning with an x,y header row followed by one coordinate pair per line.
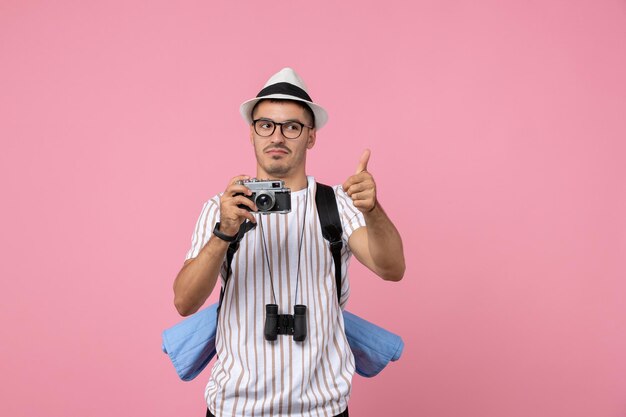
x,y
270,196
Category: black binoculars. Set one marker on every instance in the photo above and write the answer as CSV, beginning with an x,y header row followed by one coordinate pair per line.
x,y
294,325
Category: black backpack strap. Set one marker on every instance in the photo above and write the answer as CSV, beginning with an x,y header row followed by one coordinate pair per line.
x,y
331,227
230,254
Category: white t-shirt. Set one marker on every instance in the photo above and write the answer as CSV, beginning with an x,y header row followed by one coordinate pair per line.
x,y
254,377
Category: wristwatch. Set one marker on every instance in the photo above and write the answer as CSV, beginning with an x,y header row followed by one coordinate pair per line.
x,y
216,232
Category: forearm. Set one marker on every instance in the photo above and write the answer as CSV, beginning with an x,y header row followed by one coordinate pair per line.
x,y
384,244
197,278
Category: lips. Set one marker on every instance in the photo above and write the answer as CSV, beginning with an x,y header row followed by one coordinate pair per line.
x,y
277,151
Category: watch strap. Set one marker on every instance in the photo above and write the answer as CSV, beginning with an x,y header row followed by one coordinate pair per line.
x,y
226,238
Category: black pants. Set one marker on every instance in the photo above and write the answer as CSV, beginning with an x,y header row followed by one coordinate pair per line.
x,y
344,414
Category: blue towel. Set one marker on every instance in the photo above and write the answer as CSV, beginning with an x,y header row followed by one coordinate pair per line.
x,y
190,344
373,347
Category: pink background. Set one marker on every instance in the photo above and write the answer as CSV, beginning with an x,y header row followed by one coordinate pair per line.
x,y
497,132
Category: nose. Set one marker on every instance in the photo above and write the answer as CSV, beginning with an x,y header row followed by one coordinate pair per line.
x,y
277,136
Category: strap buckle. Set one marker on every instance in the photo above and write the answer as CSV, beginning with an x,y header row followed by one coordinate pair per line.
x,y
336,245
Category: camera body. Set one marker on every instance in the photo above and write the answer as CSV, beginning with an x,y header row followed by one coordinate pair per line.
x,y
270,196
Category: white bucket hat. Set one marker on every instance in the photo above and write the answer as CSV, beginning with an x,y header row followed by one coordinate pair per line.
x,y
286,85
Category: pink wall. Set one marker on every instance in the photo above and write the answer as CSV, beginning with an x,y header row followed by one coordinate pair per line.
x,y
497,132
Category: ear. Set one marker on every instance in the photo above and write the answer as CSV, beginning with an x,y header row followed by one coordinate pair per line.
x,y
251,135
310,139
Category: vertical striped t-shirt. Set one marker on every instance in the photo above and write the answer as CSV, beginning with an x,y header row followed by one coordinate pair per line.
x,y
254,377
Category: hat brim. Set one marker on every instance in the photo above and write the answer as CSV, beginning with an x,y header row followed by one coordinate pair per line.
x,y
321,117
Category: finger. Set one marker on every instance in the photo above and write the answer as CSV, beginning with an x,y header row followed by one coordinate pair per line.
x,y
243,201
353,179
351,191
360,193
362,181
365,157
363,205
237,189
235,180
354,192
243,213
236,215
360,186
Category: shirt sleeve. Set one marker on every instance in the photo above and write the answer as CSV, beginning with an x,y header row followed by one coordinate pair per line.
x,y
351,217
204,226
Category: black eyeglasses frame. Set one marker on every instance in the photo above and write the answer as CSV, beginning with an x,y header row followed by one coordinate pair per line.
x,y
281,124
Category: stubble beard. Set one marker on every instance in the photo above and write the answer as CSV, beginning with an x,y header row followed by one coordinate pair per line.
x,y
277,167
277,170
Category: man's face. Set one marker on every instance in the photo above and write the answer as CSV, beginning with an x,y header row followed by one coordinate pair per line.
x,y
277,156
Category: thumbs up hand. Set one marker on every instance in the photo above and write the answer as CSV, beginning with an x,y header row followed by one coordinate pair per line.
x,y
361,186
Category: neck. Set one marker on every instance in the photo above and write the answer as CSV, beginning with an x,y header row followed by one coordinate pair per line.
x,y
297,184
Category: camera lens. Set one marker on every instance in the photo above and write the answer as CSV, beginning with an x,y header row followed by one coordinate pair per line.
x,y
264,202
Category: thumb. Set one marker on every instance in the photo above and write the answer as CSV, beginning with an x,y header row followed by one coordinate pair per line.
x,y
365,157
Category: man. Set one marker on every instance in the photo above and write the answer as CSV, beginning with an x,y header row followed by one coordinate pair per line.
x,y
284,261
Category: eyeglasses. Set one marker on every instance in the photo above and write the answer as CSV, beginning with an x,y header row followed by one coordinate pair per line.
x,y
290,130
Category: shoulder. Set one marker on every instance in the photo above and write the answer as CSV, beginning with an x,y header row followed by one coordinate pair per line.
x,y
340,195
214,201
337,189
210,207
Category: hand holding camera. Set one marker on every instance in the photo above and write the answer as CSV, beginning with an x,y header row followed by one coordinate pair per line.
x,y
235,206
244,195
